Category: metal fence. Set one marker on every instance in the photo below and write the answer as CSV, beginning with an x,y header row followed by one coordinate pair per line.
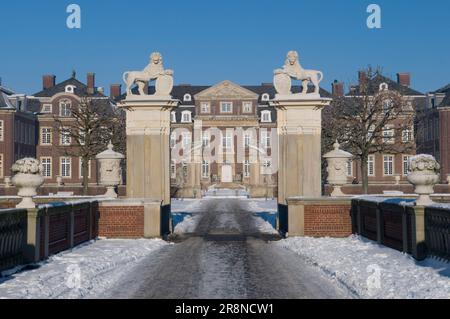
x,y
437,231
13,228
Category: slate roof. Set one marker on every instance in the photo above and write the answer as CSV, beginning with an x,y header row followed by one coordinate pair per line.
x,y
393,85
4,103
80,90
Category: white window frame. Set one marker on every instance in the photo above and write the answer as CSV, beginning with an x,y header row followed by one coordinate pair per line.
x,y
247,107
47,108
265,97
205,107
247,168
371,162
227,142
70,89
230,104
205,169
61,169
65,105
173,139
65,139
389,134
2,130
43,160
407,135
247,140
405,164
350,168
187,114
186,140
48,135
387,162
205,139
266,117
266,139
80,168
187,98
2,164
173,117
173,169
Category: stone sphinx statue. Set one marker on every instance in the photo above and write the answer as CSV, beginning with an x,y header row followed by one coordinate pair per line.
x,y
153,71
293,70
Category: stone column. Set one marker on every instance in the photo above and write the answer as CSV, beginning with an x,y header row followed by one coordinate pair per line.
x,y
148,151
299,128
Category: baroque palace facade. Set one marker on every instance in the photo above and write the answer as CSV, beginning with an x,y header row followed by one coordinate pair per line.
x,y
224,136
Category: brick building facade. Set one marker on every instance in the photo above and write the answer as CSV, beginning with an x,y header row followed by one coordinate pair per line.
x,y
433,127
18,130
387,168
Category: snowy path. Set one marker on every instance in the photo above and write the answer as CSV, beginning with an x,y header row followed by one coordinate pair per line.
x,y
226,257
86,271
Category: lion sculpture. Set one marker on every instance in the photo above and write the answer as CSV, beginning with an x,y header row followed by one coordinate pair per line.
x,y
293,70
153,71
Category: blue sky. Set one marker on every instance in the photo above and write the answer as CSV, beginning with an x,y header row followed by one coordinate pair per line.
x,y
206,41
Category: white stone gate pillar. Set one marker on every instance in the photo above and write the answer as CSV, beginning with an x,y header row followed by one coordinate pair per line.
x,y
148,150
299,131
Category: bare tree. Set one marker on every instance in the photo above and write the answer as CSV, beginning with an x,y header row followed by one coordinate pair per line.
x,y
87,131
371,119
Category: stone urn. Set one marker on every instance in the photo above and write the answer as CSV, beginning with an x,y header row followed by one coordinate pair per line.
x,y
110,171
28,177
423,174
337,161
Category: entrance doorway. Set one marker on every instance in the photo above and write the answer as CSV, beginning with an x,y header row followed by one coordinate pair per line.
x,y
227,173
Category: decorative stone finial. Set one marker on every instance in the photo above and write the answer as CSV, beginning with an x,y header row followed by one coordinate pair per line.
x,y
28,177
293,70
337,161
153,71
110,171
423,174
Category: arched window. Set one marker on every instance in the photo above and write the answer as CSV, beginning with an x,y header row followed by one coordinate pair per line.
x,y
265,97
266,116
186,117
384,87
187,97
65,108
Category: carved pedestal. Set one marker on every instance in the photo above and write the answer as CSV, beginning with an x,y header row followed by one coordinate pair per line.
x,y
148,157
299,131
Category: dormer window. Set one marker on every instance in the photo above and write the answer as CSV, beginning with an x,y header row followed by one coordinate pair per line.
x,y
186,117
384,87
187,98
70,89
266,117
265,97
173,117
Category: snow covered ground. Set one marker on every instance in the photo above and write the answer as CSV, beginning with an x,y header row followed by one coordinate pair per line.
x,y
188,224
373,271
84,272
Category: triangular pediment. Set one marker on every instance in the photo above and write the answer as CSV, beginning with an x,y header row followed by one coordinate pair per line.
x,y
226,90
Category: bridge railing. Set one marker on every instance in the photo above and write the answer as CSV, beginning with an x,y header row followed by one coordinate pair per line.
x,y
13,236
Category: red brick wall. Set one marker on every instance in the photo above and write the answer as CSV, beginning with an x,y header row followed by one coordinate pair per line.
x,y
327,220
121,221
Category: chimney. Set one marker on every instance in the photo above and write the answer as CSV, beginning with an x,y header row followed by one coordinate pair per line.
x,y
115,91
48,81
404,79
362,77
337,88
91,83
